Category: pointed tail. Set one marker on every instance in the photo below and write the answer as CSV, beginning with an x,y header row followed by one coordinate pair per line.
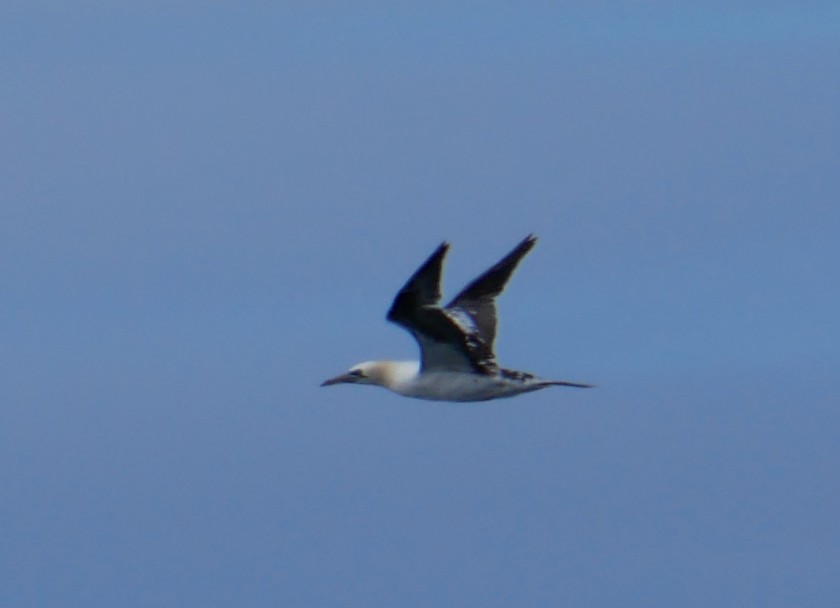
x,y
567,383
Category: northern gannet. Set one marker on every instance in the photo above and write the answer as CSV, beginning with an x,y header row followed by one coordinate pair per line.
x,y
456,341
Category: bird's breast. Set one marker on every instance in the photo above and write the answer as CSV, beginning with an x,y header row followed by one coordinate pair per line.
x,y
459,386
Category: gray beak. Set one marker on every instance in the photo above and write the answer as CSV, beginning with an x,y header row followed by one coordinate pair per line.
x,y
339,380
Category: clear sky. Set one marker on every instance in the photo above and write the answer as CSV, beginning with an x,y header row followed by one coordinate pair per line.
x,y
206,208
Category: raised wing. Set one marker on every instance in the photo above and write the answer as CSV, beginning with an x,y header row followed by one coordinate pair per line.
x,y
445,344
476,304
422,289
459,337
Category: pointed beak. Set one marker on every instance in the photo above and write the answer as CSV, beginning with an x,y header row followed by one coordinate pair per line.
x,y
338,380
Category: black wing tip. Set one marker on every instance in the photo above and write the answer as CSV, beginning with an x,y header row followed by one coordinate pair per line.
x,y
438,253
421,289
520,251
527,243
435,260
523,247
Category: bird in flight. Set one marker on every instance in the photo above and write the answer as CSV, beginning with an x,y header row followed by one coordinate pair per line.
x,y
457,362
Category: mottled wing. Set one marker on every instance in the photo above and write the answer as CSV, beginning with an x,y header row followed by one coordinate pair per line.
x,y
475,306
444,342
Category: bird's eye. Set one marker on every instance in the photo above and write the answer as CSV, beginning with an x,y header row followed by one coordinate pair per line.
x,y
357,373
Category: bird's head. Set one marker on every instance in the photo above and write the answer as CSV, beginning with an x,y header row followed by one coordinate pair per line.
x,y
390,374
368,372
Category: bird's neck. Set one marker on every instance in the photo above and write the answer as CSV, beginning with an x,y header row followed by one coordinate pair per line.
x,y
395,374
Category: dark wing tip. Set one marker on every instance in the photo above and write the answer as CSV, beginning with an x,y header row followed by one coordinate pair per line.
x,y
422,289
436,257
512,259
526,244
493,281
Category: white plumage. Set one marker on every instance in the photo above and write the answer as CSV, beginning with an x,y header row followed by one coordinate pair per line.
x,y
456,341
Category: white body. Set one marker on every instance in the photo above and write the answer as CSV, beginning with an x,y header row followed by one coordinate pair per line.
x,y
458,386
405,378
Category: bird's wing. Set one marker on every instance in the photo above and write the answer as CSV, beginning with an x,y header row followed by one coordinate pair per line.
x,y
449,340
476,304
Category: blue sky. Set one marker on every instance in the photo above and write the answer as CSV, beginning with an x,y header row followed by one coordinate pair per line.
x,y
205,210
